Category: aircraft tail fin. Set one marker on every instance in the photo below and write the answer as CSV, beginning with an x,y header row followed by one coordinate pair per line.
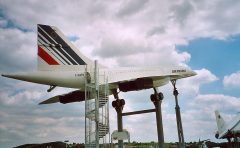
x,y
55,50
221,125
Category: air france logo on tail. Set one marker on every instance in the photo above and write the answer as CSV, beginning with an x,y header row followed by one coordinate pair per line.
x,y
54,50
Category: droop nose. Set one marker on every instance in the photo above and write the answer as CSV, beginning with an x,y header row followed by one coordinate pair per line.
x,y
194,73
190,73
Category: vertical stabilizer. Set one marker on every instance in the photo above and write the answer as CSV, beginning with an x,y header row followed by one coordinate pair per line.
x,y
55,50
221,125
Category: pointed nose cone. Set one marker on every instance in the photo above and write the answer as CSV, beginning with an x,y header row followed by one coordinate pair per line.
x,y
190,73
194,73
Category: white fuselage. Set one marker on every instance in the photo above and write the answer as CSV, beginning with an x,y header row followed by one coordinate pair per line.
x,y
76,78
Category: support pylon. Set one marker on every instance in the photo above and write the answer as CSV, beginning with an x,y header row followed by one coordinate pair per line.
x,y
181,143
157,98
118,104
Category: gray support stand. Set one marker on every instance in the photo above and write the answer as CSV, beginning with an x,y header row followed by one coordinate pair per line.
x,y
118,104
96,74
178,117
120,126
157,98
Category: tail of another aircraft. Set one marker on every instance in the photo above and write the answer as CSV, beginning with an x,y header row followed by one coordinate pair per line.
x,y
55,50
220,122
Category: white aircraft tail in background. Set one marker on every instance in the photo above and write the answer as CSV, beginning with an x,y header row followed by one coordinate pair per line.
x,y
61,64
229,130
221,125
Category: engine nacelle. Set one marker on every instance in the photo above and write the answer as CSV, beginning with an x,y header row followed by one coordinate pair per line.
x,y
138,84
75,96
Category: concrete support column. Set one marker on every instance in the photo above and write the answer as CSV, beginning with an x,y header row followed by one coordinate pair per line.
x,y
118,104
157,98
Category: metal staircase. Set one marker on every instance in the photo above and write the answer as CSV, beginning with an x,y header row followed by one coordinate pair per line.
x,y
96,111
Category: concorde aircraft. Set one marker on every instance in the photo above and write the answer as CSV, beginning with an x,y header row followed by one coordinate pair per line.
x,y
61,64
228,131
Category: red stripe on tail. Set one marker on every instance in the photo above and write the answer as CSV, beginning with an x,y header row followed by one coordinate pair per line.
x,y
46,57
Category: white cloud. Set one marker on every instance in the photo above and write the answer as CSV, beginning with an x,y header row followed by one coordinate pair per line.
x,y
3,22
17,50
21,98
192,85
232,80
40,123
157,57
146,14
206,18
181,11
129,8
211,102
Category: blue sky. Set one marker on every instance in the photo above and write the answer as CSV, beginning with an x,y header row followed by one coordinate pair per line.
x,y
203,35
219,56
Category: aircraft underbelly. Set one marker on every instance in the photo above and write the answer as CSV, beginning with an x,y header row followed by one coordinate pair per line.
x,y
160,81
